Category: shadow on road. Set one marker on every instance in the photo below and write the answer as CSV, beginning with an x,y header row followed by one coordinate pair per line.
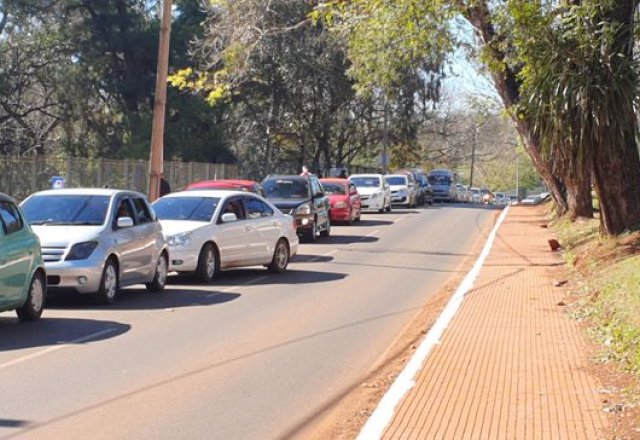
x,y
302,258
372,222
12,423
140,299
345,239
260,277
54,331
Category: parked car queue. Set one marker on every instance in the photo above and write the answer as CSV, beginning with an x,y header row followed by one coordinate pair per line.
x,y
94,241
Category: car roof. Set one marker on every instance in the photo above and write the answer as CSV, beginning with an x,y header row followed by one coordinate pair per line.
x,y
287,176
366,175
110,192
220,193
334,180
396,175
223,182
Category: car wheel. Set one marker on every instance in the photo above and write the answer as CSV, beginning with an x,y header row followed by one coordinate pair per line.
x,y
160,277
108,284
207,264
32,307
312,235
327,228
389,207
280,259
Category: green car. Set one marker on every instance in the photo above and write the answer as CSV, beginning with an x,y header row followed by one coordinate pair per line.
x,y
22,275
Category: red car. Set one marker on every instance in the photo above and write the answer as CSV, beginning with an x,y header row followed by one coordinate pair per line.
x,y
344,198
230,184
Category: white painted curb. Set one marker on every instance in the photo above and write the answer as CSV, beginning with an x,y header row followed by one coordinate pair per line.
x,y
381,417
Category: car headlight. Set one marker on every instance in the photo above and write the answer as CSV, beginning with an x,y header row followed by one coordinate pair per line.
x,y
304,209
81,251
340,205
402,193
374,195
178,240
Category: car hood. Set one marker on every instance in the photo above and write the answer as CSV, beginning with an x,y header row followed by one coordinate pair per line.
x,y
64,235
366,191
399,187
173,227
288,203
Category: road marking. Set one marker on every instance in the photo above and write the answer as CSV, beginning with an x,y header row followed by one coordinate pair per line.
x,y
383,414
400,219
369,234
332,253
58,346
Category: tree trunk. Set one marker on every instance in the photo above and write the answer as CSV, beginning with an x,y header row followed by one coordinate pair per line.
x,y
617,181
579,201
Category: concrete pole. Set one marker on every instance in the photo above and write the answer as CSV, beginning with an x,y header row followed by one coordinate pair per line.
x,y
156,156
385,141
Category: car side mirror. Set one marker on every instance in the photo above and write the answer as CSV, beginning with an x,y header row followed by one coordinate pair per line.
x,y
229,217
124,222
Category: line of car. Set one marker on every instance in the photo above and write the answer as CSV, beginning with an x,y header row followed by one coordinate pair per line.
x,y
95,241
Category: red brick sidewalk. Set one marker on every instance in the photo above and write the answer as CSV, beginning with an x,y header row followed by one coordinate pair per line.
x,y
511,364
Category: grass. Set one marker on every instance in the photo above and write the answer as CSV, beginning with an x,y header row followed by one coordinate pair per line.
x,y
609,268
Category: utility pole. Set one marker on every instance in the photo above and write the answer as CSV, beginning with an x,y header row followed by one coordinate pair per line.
x,y
156,155
385,140
517,175
473,153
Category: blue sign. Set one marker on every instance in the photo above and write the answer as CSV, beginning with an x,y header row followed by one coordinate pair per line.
x,y
57,182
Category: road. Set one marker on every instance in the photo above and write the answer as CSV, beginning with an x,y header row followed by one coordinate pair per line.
x,y
251,356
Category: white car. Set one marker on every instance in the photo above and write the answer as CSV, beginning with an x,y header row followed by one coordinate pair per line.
x,y
375,193
213,230
401,191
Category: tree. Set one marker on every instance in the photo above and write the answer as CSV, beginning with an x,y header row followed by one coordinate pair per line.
x,y
505,50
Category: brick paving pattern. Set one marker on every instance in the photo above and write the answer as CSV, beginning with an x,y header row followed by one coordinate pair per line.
x,y
512,364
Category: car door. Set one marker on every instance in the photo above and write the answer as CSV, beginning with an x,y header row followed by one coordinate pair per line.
x,y
16,255
234,238
263,227
146,230
128,241
320,203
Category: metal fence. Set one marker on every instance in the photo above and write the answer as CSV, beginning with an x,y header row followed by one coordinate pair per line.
x,y
21,176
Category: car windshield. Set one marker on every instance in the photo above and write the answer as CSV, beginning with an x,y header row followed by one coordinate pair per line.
x,y
334,188
286,188
366,182
66,209
396,180
439,179
197,209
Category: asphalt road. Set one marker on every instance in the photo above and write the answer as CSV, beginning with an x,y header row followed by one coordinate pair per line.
x,y
251,356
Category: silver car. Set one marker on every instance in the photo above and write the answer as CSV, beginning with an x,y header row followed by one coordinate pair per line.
x,y
95,241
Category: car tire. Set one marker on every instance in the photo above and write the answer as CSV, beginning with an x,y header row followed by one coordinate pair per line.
x,y
31,310
281,257
208,264
388,207
160,276
312,235
326,232
108,284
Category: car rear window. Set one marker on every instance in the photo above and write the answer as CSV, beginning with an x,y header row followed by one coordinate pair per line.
x,y
439,179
